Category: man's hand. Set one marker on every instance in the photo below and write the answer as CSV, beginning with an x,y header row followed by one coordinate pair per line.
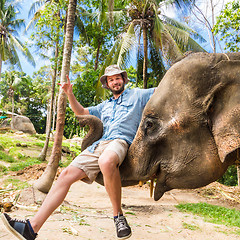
x,y
67,86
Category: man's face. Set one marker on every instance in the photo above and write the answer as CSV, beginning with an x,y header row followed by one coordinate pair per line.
x,y
115,83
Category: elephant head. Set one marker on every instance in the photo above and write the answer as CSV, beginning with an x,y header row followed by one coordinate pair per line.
x,y
190,128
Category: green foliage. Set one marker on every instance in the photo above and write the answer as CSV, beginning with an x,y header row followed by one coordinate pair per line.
x,y
28,96
228,26
230,177
6,157
49,29
212,213
84,89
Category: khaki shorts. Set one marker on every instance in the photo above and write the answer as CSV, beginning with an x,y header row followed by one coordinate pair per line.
x,y
88,161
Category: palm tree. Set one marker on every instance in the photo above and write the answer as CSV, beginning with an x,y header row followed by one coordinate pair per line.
x,y
157,39
38,8
44,183
14,82
9,43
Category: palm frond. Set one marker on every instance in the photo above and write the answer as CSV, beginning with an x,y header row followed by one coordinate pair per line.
x,y
179,25
16,42
81,29
14,59
36,6
156,62
157,32
129,41
170,49
33,21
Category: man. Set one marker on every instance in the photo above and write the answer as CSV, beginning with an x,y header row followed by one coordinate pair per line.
x,y
121,116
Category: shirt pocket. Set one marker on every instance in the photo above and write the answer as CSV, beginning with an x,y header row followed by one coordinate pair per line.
x,y
124,107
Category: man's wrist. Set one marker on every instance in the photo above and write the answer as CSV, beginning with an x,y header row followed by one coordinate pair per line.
x,y
70,94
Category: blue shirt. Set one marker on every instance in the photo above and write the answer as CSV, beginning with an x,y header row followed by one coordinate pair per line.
x,y
121,116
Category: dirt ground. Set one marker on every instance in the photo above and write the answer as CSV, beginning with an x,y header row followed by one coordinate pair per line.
x,y
86,213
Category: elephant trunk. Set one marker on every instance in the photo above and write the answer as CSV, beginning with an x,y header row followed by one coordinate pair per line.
x,y
95,131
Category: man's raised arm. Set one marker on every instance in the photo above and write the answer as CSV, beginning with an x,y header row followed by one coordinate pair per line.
x,y
77,108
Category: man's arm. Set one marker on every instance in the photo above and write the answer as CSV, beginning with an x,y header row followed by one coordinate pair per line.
x,y
77,108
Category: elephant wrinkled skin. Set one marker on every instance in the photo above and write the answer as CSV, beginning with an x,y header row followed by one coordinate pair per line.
x,y
190,129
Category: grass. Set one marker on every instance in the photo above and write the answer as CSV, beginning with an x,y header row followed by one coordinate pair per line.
x,y
26,163
16,183
6,157
10,151
3,168
212,213
192,227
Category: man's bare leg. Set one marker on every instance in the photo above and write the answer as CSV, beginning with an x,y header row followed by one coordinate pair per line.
x,y
56,195
108,163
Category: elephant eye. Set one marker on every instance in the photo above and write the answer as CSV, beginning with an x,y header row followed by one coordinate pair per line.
x,y
148,124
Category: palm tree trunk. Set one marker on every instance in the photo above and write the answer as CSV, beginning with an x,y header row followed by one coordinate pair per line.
x,y
43,153
12,109
97,55
54,112
44,183
145,59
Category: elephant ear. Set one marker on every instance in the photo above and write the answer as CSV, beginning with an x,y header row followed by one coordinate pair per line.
x,y
224,111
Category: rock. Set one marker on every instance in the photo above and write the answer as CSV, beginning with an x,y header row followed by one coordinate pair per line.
x,y
21,145
24,124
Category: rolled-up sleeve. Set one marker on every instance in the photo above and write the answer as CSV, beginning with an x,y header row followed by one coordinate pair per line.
x,y
145,94
96,110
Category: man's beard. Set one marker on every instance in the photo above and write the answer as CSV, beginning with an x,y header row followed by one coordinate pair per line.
x,y
121,89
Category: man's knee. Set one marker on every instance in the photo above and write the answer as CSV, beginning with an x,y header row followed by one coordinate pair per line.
x,y
71,174
108,163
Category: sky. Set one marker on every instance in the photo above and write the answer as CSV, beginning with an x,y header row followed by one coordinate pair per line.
x,y
26,4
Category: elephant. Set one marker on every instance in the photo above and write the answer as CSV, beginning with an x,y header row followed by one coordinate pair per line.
x,y
189,133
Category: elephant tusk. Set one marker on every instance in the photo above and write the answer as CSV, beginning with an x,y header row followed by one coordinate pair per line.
x,y
151,187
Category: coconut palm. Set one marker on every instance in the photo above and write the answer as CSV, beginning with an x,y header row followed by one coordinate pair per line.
x,y
157,39
9,43
37,10
14,83
44,183
55,14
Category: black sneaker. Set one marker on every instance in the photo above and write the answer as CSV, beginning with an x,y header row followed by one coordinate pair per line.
x,y
122,227
20,228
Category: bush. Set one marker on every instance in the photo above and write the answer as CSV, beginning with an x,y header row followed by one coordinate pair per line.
x,y
230,177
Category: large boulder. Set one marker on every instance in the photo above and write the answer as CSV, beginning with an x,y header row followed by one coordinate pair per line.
x,y
24,124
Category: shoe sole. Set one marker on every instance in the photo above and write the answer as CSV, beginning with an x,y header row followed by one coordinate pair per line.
x,y
10,228
126,237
